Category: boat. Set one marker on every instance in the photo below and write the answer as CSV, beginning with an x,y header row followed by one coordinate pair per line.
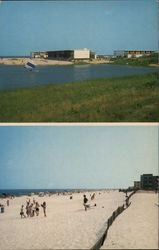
x,y
30,65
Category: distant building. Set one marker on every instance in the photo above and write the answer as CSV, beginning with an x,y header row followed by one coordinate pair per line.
x,y
35,54
105,57
77,54
120,53
132,53
137,184
149,182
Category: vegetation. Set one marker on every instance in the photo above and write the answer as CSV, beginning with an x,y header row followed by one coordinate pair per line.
x,y
81,63
141,61
125,99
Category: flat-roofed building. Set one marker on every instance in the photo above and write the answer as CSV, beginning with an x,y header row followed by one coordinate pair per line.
x,y
39,54
148,181
137,184
81,54
34,54
132,53
139,53
120,53
60,54
76,54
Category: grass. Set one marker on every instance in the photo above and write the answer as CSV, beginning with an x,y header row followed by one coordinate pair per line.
x,y
141,61
81,63
125,99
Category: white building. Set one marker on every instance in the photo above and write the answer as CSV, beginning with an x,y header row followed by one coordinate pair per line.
x,y
81,54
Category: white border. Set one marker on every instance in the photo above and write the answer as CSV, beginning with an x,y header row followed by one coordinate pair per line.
x,y
87,124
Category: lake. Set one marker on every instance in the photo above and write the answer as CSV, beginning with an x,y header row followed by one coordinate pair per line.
x,y
15,77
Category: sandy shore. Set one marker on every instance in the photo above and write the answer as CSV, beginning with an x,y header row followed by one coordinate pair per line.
x,y
136,227
67,225
23,61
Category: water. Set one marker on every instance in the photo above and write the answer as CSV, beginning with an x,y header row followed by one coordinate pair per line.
x,y
19,192
15,76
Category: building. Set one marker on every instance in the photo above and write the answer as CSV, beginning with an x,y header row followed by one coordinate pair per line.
x,y
149,182
77,54
120,53
39,54
137,184
132,53
138,53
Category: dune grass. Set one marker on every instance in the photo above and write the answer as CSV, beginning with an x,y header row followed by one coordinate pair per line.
x,y
124,99
141,61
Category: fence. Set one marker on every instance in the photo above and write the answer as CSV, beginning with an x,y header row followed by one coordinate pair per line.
x,y
118,211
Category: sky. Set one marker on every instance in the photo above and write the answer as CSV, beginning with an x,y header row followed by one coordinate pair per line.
x,y
102,26
76,156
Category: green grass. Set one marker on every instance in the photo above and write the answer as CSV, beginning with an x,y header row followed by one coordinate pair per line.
x,y
80,63
125,99
141,61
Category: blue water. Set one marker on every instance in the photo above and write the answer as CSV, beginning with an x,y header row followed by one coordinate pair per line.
x,y
14,77
19,192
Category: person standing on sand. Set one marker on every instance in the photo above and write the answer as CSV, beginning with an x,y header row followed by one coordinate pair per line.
x,y
85,200
22,212
37,208
44,208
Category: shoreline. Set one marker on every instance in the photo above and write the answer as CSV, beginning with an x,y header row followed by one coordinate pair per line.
x,y
15,193
49,62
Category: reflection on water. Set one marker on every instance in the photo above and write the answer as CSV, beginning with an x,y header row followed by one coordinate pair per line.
x,y
13,76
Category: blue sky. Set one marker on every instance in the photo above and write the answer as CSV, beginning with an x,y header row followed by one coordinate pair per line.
x,y
76,156
102,26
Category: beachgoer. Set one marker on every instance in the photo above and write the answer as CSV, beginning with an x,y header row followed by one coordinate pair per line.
x,y
44,208
7,202
27,210
93,196
31,210
85,200
37,208
22,212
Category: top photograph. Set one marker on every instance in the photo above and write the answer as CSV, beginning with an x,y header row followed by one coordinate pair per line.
x,y
79,61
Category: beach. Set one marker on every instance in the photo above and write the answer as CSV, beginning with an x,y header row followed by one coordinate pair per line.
x,y
137,226
50,62
69,226
23,61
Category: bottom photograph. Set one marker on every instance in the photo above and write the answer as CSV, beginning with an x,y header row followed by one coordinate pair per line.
x,y
79,187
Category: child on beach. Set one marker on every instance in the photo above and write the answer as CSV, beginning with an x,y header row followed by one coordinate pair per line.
x,y
44,208
85,200
22,212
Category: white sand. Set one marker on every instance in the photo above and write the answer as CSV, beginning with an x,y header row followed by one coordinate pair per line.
x,y
67,225
23,61
40,61
136,227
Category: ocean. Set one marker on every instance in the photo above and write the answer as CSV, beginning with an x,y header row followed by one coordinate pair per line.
x,y
20,192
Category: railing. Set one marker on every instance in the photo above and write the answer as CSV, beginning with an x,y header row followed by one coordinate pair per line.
x,y
118,211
